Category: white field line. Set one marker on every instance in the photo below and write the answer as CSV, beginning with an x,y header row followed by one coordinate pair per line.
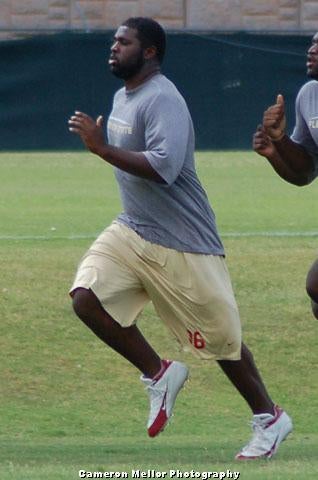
x,y
270,234
89,236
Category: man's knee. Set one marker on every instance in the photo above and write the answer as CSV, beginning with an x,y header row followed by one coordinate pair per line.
x,y
312,282
312,287
84,302
314,307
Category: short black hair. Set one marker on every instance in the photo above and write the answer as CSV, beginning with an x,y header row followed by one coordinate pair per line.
x,y
149,33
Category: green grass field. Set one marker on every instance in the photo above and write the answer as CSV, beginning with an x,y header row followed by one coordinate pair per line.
x,y
68,403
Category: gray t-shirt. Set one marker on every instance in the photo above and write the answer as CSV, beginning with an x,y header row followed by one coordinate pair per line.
x,y
306,129
154,119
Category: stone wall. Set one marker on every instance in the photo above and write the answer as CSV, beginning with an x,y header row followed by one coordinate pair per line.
x,y
282,15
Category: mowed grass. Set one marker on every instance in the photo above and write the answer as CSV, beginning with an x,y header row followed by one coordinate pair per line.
x,y
68,403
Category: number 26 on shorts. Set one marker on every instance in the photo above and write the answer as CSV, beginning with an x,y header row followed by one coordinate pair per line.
x,y
196,339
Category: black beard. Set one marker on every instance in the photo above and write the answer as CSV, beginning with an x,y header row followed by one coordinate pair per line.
x,y
313,75
125,72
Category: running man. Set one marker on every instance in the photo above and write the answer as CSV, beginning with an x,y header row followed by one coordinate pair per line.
x,y
295,158
164,247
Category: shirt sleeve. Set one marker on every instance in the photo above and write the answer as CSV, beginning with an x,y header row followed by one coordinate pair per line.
x,y
301,135
167,125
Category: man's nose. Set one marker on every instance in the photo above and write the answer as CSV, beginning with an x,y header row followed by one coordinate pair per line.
x,y
114,46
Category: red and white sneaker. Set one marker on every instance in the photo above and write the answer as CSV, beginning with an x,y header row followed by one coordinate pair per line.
x,y
268,433
163,391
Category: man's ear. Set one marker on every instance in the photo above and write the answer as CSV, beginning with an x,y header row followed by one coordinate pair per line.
x,y
150,53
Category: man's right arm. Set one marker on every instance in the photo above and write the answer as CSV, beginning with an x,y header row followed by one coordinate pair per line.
x,y
289,159
295,157
264,146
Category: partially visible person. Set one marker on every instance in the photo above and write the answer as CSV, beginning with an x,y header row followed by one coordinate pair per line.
x,y
295,158
164,247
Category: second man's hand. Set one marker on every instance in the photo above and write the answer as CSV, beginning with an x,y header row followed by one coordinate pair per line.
x,y
90,130
262,144
274,120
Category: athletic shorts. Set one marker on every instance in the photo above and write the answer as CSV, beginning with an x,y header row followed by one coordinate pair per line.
x,y
191,293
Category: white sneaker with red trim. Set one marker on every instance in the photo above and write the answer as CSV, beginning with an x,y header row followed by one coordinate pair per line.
x,y
268,433
162,393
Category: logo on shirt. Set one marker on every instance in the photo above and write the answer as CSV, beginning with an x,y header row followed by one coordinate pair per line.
x,y
313,122
119,126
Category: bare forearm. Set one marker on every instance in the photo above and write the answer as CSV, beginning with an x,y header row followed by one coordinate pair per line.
x,y
92,135
288,158
264,146
294,157
285,172
134,163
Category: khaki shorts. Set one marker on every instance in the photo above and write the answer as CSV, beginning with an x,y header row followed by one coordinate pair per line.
x,y
191,293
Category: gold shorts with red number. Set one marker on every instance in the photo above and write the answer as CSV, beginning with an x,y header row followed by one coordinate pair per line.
x,y
191,293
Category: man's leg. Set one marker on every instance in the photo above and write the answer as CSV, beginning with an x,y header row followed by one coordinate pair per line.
x,y
162,379
246,378
271,424
128,342
312,287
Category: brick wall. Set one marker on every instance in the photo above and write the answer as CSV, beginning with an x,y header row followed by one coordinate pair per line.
x,y
175,14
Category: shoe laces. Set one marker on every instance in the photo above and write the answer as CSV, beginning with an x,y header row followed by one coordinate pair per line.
x,y
258,425
155,392
156,395
259,432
